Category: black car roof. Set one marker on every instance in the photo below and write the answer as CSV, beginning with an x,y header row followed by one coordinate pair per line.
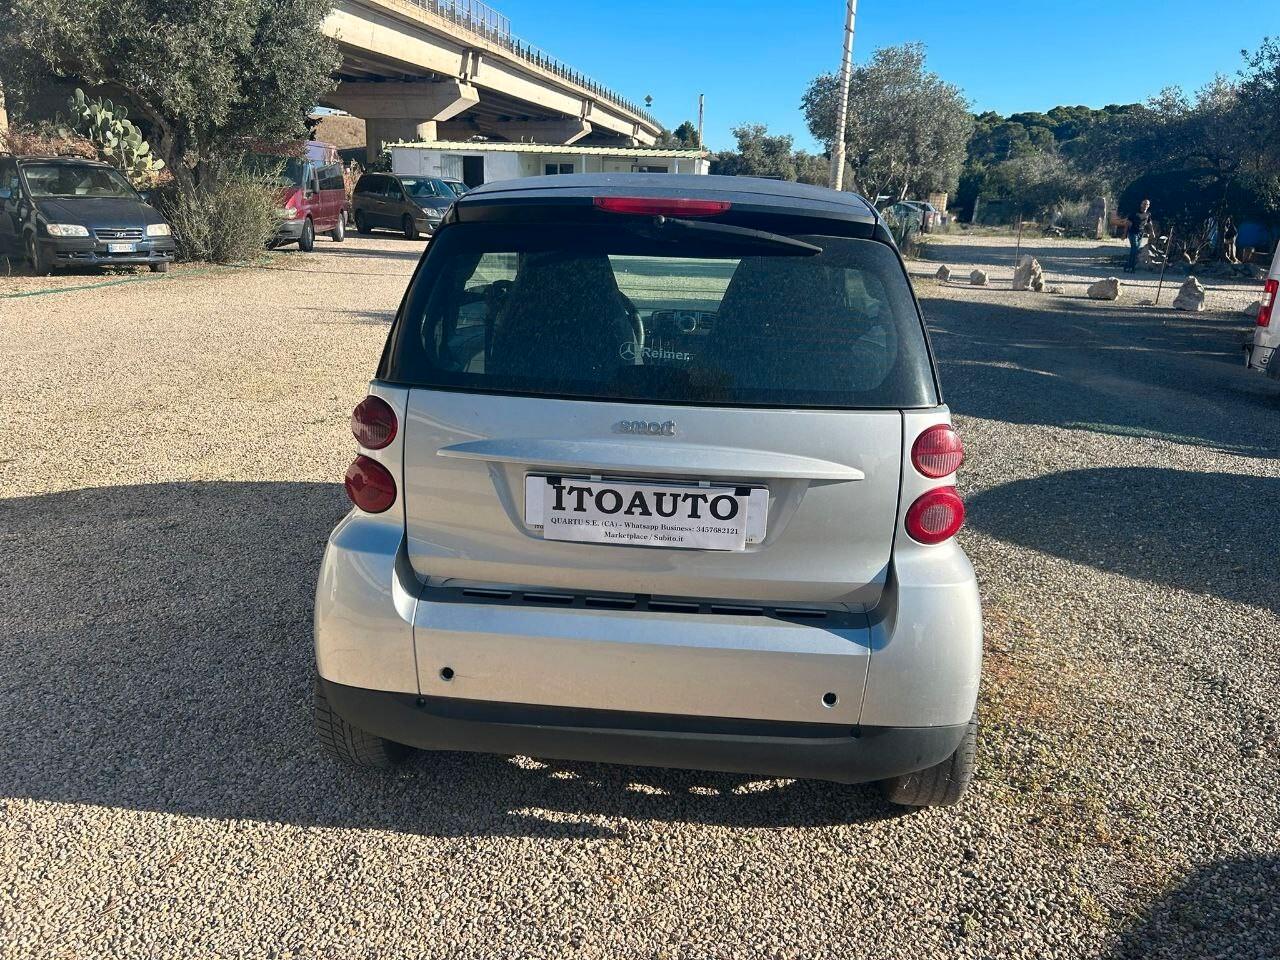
x,y
782,196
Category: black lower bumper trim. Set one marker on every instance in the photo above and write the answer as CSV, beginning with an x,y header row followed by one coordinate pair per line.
x,y
767,748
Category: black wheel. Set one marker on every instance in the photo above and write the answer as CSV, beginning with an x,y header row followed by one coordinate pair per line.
x,y
350,744
339,233
939,785
39,264
361,225
162,267
410,228
307,242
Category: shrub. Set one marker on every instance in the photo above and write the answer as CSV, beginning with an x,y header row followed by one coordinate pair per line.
x,y
229,221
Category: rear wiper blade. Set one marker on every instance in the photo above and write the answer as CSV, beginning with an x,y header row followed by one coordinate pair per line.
x,y
667,228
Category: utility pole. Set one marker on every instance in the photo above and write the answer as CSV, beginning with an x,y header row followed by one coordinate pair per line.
x,y
842,114
702,99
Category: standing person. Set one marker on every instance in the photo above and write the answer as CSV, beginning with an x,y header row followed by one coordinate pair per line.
x,y
1229,234
1139,227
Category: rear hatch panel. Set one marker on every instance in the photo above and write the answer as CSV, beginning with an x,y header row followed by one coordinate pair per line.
x,y
828,537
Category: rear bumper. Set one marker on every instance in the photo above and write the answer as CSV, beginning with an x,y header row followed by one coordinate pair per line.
x,y
712,688
1262,359
801,750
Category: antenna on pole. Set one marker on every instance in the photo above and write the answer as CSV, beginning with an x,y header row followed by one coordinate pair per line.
x,y
702,99
842,113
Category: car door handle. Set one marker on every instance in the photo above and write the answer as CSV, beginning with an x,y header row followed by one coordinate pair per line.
x,y
650,456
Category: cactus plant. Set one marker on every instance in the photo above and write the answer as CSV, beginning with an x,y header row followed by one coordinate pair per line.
x,y
116,137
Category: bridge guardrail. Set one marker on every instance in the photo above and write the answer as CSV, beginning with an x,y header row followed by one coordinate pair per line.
x,y
484,21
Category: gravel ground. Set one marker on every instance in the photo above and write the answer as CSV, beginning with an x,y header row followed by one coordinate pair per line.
x,y
168,481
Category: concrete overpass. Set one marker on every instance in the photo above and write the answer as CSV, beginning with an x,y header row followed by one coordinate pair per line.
x,y
451,69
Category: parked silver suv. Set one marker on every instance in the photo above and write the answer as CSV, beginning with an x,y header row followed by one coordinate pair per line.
x,y
656,470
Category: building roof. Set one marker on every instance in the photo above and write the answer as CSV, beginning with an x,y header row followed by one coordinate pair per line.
x,y
593,150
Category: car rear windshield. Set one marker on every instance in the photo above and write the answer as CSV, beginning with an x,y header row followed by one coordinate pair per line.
x,y
610,313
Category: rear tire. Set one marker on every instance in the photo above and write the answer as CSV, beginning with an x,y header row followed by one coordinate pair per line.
x,y
940,785
348,743
307,241
339,233
39,265
410,228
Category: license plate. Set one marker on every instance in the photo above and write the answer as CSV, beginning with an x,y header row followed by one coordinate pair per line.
x,y
122,247
682,516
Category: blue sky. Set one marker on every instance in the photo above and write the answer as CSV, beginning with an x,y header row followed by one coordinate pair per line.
x,y
753,59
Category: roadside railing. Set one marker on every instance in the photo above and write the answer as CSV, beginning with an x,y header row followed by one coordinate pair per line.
x,y
484,21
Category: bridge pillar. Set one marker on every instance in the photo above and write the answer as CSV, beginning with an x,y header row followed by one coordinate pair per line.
x,y
378,132
402,111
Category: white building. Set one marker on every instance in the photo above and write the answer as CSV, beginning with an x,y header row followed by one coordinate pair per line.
x,y
483,162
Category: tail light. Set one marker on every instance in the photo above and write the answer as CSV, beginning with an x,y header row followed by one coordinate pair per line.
x,y
662,206
1268,301
935,516
938,451
370,485
373,423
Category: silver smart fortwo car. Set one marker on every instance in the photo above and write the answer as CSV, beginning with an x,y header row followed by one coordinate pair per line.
x,y
656,470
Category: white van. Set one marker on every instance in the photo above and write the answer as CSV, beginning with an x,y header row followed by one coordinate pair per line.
x,y
1266,334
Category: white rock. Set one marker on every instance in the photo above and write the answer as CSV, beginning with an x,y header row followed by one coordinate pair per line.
x,y
978,278
1108,289
944,273
1190,296
1028,275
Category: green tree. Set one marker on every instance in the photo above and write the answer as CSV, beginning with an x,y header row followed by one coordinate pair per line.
x,y
687,134
206,80
1038,181
1213,133
1260,99
813,168
907,128
684,137
759,154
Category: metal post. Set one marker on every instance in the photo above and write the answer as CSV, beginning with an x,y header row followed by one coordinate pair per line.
x,y
1017,252
702,100
1168,249
842,112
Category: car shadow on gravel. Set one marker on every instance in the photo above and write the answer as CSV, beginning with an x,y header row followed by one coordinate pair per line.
x,y
1226,909
1209,533
1107,369
156,655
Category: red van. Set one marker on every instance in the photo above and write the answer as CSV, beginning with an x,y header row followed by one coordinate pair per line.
x,y
313,198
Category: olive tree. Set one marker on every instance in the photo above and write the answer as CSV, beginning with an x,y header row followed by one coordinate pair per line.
x,y
907,128
208,80
759,154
